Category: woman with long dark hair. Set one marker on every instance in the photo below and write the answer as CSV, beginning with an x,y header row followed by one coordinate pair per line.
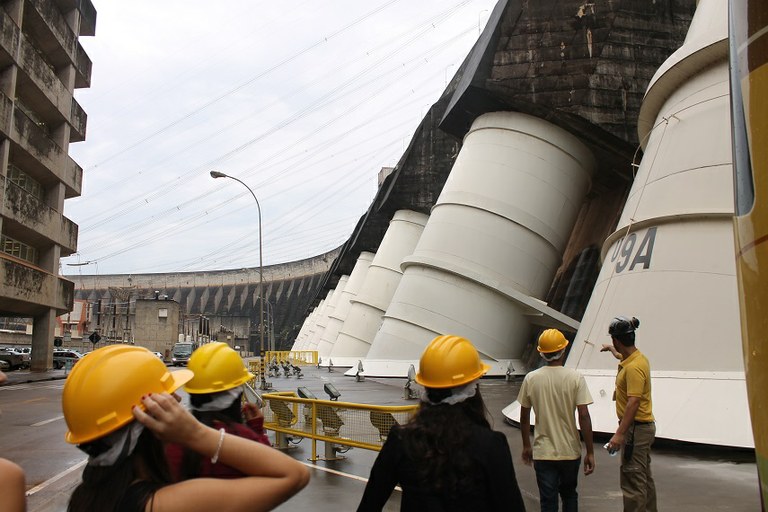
x,y
447,457
215,397
119,407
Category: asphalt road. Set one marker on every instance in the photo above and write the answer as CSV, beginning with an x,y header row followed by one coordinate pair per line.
x,y
688,478
32,434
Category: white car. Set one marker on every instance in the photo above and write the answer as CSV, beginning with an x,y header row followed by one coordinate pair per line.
x,y
63,356
26,356
158,354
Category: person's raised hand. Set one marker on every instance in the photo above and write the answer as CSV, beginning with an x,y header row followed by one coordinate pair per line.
x,y
251,411
168,419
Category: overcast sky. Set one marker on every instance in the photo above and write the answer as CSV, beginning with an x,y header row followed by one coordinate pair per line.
x,y
303,100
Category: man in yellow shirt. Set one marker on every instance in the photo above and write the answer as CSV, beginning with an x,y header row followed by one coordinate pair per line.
x,y
555,393
637,428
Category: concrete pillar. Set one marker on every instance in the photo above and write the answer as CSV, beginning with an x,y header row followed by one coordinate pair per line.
x,y
15,10
43,327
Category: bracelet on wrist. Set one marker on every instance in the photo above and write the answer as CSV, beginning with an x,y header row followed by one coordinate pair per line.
x,y
215,457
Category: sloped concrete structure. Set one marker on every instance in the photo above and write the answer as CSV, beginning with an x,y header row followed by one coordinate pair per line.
x,y
381,280
332,325
351,289
491,247
227,299
589,69
670,261
316,329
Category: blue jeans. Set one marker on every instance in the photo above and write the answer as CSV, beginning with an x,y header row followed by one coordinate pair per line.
x,y
557,477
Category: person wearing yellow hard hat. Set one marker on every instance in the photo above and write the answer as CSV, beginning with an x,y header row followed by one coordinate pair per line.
x,y
447,457
215,396
555,393
119,406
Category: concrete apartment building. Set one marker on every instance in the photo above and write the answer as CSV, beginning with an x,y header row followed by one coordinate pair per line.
x,y
41,64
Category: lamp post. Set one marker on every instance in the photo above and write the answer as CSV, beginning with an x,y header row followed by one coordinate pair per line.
x,y
217,174
270,325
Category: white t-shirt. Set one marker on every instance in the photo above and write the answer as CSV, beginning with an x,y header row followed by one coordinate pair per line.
x,y
553,392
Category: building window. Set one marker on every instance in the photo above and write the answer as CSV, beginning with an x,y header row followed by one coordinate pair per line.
x,y
25,182
18,249
162,313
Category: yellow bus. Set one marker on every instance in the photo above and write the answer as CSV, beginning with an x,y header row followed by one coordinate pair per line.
x,y
748,26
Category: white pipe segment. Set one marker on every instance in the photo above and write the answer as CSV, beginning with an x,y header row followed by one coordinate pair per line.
x,y
367,309
299,336
336,321
311,332
332,324
491,246
671,261
322,319
301,340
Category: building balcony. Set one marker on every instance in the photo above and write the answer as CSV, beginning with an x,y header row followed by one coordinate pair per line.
x,y
35,152
44,19
38,85
25,217
26,290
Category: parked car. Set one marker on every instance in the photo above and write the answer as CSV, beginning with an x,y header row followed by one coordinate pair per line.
x,y
158,354
62,356
24,352
4,366
14,360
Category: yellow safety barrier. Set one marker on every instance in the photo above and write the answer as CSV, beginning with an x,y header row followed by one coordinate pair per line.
x,y
254,366
340,423
297,357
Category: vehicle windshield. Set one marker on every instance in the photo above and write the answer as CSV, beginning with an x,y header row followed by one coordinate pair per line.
x,y
182,350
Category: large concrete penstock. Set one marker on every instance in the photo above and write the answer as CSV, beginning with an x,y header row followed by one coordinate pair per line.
x,y
367,309
491,245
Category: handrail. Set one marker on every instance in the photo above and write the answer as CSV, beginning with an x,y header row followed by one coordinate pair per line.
x,y
342,423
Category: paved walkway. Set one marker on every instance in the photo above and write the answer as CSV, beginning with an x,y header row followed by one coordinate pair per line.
x,y
689,477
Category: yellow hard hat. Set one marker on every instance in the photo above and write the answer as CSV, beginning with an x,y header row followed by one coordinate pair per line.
x,y
217,368
551,340
449,361
102,389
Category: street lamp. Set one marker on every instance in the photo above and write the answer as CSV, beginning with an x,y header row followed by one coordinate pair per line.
x,y
217,174
270,321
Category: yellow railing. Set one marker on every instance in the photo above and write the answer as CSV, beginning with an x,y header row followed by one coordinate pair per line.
x,y
341,423
297,357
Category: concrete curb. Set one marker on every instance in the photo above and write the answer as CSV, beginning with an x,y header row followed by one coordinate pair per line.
x,y
27,377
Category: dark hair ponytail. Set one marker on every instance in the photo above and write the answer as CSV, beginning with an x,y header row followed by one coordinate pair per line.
x,y
437,441
628,339
103,487
190,461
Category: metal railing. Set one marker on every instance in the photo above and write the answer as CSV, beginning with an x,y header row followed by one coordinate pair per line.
x,y
335,423
297,357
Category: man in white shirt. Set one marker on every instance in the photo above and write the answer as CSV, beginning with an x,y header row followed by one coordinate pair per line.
x,y
555,393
